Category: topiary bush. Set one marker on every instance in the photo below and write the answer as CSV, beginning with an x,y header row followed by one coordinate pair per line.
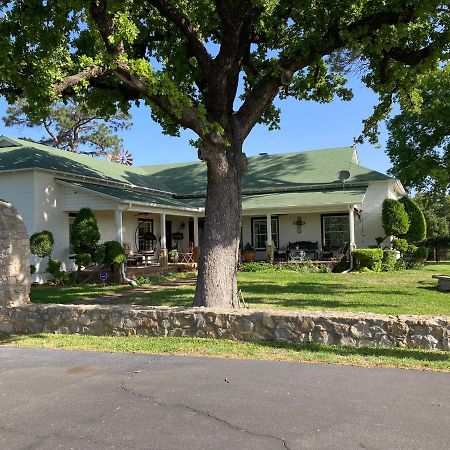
x,y
83,259
421,254
417,230
114,253
369,258
41,244
389,260
400,244
84,235
394,218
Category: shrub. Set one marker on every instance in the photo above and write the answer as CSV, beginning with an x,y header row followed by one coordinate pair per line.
x,y
83,259
256,266
394,218
389,260
400,244
32,269
84,234
41,244
411,250
114,253
54,267
99,254
369,258
341,265
417,231
421,253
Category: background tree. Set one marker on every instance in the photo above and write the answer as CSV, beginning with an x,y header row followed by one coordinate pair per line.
x,y
216,67
73,126
419,137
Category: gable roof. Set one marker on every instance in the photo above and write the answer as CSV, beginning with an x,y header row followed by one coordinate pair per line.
x,y
284,172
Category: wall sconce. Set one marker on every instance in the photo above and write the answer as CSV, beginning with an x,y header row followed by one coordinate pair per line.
x,y
182,225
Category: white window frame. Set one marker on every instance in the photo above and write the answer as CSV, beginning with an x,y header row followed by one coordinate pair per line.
x,y
275,231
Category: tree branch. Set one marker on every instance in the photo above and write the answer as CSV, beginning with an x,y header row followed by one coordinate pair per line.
x,y
73,80
183,23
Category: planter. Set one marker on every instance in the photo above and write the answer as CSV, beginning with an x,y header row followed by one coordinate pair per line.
x,y
248,256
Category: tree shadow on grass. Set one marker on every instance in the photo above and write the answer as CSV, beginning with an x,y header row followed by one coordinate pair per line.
x,y
385,352
182,296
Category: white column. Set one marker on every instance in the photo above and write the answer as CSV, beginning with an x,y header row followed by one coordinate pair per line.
x,y
163,230
269,230
118,224
195,231
351,223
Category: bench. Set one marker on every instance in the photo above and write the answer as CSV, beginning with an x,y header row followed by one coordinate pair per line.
x,y
443,282
301,249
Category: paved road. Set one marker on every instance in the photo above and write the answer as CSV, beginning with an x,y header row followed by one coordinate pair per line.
x,y
80,400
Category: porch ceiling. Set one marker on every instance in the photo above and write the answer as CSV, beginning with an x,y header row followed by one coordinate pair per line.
x,y
304,200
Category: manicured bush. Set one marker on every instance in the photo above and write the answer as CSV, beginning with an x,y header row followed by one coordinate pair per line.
x,y
370,258
417,230
41,244
114,253
400,244
255,266
421,253
99,254
84,235
394,218
54,267
83,259
389,260
411,250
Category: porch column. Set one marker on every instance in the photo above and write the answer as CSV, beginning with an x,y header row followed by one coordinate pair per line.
x,y
195,249
163,256
118,224
269,243
351,224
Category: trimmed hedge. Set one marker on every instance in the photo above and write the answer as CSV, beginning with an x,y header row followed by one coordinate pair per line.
x,y
389,260
394,218
417,231
369,258
400,244
114,253
41,244
421,253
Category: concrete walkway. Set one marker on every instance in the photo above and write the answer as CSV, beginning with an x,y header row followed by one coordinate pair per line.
x,y
87,400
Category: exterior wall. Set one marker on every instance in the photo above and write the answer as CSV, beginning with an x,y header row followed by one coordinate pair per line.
x,y
75,199
18,189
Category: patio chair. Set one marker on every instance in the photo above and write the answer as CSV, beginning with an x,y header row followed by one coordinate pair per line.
x,y
188,256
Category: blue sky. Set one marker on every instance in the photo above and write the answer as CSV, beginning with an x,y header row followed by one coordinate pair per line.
x,y
304,126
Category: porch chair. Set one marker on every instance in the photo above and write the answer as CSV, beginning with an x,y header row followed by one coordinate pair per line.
x,y
188,256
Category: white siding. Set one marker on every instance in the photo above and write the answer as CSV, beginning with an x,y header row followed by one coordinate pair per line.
x,y
75,199
18,189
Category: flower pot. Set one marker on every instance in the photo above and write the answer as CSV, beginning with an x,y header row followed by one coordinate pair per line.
x,y
249,256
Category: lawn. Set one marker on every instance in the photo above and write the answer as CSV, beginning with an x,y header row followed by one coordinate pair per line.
x,y
281,351
405,292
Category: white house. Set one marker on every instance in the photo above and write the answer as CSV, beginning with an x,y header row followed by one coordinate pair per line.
x,y
321,198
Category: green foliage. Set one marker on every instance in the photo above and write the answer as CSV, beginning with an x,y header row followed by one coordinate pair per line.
x,y
83,259
421,253
99,254
389,260
54,269
341,265
256,266
114,253
84,236
418,137
400,244
369,258
41,244
436,209
417,230
411,250
69,126
394,218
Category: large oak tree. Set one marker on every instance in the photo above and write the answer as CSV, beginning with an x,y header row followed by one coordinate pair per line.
x,y
216,67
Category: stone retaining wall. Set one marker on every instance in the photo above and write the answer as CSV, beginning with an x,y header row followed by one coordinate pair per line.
x,y
248,325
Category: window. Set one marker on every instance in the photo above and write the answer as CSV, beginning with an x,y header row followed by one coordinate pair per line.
x,y
259,232
146,240
335,230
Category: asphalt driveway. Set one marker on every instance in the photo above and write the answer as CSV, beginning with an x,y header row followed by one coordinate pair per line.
x,y
53,399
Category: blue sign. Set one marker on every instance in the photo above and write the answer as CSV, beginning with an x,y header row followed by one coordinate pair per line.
x,y
103,276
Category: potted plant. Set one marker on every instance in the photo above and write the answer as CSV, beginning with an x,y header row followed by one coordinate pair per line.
x,y
173,256
248,252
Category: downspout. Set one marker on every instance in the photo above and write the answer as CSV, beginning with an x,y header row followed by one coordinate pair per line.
x,y
352,237
118,220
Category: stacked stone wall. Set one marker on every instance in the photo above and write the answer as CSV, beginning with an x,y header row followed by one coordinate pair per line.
x,y
248,325
14,258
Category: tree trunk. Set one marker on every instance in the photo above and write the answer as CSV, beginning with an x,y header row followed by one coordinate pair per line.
x,y
219,248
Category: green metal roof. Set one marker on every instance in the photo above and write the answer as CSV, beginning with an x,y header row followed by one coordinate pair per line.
x,y
130,196
306,199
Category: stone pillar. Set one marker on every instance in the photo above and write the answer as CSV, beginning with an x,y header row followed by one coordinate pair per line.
x,y
269,243
195,249
14,258
163,255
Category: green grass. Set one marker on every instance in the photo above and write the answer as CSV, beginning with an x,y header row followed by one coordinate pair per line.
x,y
68,294
282,351
406,292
